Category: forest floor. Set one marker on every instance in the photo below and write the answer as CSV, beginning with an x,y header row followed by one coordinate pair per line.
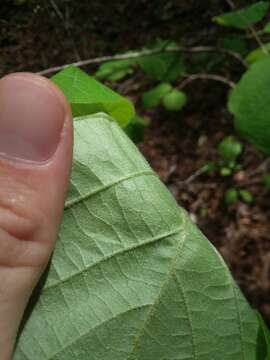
x,y
40,34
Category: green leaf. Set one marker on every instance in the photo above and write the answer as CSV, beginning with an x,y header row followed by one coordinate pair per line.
x,y
115,70
209,167
88,96
231,196
175,100
135,129
229,149
265,333
266,29
225,171
153,97
249,102
246,196
258,54
266,181
166,67
236,44
131,277
242,19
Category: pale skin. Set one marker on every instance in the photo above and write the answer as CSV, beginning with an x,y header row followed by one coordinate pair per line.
x,y
34,176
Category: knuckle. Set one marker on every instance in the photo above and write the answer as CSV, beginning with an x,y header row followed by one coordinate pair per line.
x,y
19,214
21,223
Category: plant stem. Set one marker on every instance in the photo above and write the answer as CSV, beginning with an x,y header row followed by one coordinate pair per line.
x,y
146,52
193,77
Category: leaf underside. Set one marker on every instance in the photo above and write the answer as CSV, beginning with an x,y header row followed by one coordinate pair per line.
x,y
132,278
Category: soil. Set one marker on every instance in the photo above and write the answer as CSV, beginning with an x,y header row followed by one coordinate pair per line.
x,y
39,34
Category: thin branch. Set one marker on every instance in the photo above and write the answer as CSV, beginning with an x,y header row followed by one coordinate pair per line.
x,y
193,77
263,167
57,10
194,176
146,52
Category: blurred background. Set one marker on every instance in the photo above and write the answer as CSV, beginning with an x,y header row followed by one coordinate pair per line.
x,y
227,196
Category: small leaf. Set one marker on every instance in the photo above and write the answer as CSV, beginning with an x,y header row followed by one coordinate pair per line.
x,y
246,196
258,54
231,196
242,19
115,70
249,102
209,167
229,149
88,96
153,97
266,29
135,129
174,100
166,67
224,171
119,74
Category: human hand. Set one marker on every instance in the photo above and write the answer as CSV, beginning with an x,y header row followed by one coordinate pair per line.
x,y
36,140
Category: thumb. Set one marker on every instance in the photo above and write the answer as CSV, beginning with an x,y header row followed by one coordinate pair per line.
x,y
35,160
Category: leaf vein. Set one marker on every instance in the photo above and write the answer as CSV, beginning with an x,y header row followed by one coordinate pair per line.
x,y
163,286
117,253
84,197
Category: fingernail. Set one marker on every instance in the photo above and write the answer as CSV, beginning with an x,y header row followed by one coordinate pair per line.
x,y
32,116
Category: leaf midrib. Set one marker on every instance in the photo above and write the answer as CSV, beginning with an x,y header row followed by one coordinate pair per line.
x,y
96,327
163,286
152,306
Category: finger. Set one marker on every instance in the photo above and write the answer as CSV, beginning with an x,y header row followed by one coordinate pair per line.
x,y
35,161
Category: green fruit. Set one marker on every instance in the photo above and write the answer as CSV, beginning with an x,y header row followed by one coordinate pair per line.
x,y
153,97
229,149
174,100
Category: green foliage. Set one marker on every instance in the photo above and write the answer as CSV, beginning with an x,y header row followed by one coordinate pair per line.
x,y
236,44
266,335
175,100
163,67
258,54
115,70
225,171
246,196
88,96
231,196
131,276
171,99
242,19
229,149
154,96
266,29
266,181
135,129
209,167
249,102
